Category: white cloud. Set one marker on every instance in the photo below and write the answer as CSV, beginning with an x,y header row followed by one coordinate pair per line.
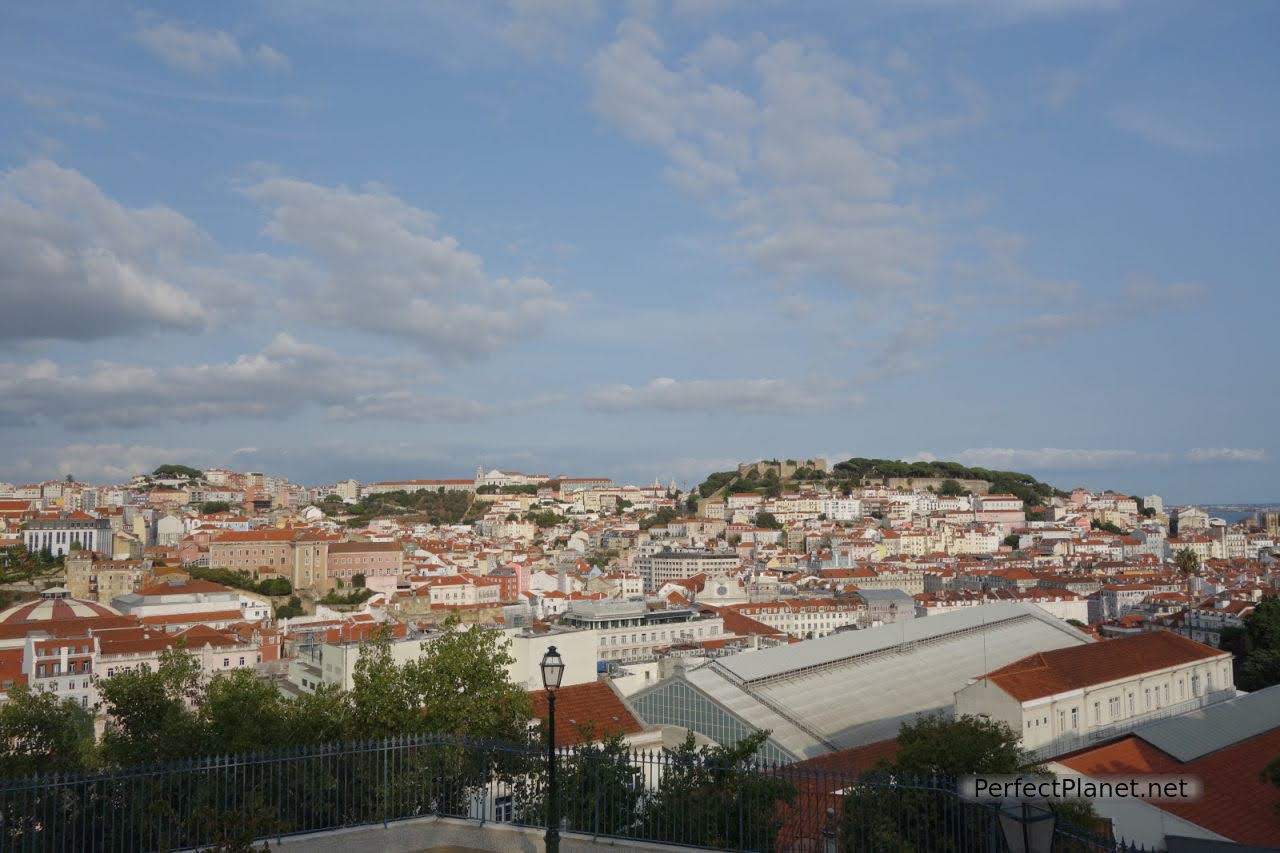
x,y
101,463
1140,297
543,26
56,108
1170,129
286,377
1016,10
809,160
375,262
1056,458
269,57
1227,454
203,52
75,264
405,405
721,396
1061,85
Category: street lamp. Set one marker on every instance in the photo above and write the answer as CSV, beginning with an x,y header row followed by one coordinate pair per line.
x,y
552,673
1027,828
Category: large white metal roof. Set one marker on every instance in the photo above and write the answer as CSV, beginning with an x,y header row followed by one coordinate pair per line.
x,y
855,688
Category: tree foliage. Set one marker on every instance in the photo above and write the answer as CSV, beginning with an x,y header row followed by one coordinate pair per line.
x,y
884,813
1256,646
39,732
435,507
716,796
210,507
768,520
241,579
151,713
172,470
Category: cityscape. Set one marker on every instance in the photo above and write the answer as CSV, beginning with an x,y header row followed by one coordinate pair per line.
x,y
673,424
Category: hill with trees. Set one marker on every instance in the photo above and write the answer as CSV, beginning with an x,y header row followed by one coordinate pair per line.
x,y
852,472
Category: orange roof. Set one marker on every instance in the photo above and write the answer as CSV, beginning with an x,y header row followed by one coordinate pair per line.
x,y
179,587
192,618
1235,802
257,536
1060,670
592,707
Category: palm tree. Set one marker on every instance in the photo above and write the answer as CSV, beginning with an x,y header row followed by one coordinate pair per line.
x,y
1188,564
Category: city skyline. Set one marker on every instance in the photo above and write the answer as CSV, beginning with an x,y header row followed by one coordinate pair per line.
x,y
643,241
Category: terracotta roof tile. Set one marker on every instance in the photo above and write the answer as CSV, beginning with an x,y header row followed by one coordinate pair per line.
x,y
1235,802
592,706
1060,670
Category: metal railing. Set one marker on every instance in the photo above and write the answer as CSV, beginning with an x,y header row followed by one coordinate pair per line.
x,y
662,796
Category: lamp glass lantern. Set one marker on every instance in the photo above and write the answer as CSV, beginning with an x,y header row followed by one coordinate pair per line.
x,y
552,669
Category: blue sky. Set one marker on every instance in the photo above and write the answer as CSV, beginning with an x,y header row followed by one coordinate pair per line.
x,y
387,239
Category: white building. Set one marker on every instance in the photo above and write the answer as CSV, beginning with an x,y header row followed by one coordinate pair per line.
x,y
1063,699
630,631
60,534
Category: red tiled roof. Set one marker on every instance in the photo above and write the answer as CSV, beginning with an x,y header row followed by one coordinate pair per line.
x,y
179,587
592,707
192,618
1235,802
1060,670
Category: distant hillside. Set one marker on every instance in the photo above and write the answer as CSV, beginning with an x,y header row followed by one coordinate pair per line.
x,y
855,471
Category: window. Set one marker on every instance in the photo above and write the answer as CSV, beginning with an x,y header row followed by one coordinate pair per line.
x,y
1097,712
503,809
226,662
1147,694
1062,721
1131,708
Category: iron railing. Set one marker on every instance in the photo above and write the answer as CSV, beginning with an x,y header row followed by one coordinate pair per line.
x,y
663,796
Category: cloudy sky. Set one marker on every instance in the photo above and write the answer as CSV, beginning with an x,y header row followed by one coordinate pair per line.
x,y
396,239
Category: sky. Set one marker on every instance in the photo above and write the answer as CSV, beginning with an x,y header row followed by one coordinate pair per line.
x,y
397,240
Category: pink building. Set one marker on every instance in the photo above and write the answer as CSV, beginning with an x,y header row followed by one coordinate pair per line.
x,y
377,561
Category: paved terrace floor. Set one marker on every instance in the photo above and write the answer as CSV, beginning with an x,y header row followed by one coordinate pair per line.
x,y
446,835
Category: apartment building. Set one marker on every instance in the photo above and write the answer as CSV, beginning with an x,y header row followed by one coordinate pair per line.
x,y
657,568
803,618
630,631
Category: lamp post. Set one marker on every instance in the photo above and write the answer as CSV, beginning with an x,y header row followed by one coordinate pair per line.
x,y
552,673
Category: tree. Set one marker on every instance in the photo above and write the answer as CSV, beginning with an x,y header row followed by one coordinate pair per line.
x,y
41,733
210,507
463,683
150,714
1260,669
1187,562
1271,773
240,713
937,745
176,471
892,810
1106,527
952,488
358,580
1012,540
720,794
290,610
768,520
